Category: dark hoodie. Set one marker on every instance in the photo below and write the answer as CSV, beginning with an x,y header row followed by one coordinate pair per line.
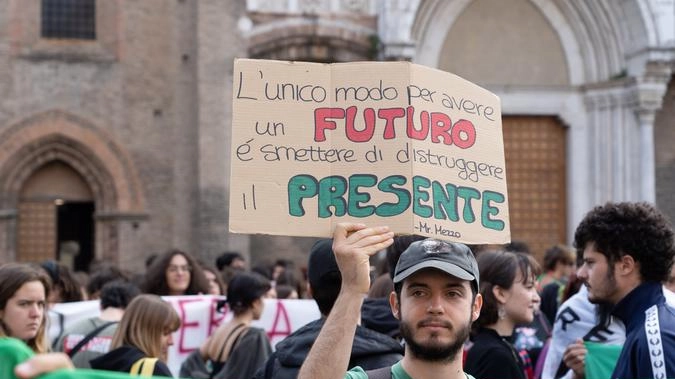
x,y
370,350
122,358
376,315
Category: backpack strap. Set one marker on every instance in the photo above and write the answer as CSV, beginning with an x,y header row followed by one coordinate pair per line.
x,y
88,338
380,373
61,321
143,367
237,333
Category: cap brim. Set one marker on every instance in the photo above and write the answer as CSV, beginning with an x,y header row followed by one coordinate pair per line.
x,y
444,266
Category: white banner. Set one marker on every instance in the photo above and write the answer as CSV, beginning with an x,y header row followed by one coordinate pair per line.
x,y
199,319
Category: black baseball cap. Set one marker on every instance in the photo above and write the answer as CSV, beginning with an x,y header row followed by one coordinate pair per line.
x,y
455,259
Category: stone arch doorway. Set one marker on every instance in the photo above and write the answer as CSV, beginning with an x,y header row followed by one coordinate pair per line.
x,y
56,217
98,184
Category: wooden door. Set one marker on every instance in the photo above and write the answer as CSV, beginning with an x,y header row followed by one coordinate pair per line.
x,y
535,149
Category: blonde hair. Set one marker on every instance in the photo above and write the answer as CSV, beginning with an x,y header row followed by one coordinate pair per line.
x,y
146,319
12,277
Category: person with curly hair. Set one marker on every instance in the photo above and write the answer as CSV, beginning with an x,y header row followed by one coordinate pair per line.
x,y
175,273
628,251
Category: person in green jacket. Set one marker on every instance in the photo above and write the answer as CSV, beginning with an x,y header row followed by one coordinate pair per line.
x,y
24,290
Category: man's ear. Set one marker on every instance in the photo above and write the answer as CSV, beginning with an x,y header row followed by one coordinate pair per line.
x,y
477,306
626,265
395,306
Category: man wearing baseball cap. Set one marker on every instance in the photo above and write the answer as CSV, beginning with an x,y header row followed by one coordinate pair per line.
x,y
435,299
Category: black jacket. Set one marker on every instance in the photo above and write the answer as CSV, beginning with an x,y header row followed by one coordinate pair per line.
x,y
370,350
249,353
122,358
493,357
650,334
376,315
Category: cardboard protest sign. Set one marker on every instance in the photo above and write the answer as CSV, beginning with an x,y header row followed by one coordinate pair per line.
x,y
383,143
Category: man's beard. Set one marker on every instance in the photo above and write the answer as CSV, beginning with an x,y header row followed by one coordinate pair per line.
x,y
434,352
609,289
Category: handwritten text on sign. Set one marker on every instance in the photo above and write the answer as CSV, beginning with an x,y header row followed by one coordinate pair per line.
x,y
388,143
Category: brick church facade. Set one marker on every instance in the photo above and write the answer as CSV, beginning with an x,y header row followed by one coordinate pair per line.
x,y
115,114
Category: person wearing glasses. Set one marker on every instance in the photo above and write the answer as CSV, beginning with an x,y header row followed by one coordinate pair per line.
x,y
175,273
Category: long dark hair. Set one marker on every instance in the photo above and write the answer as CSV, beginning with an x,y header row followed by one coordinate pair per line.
x,y
500,268
12,277
244,289
155,278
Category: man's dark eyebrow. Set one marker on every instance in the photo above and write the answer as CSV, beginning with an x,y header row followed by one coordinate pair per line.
x,y
424,285
458,286
418,284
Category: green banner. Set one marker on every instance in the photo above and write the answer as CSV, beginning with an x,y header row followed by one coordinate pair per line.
x,y
601,360
14,352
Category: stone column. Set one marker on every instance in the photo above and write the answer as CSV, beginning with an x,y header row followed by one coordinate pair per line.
x,y
647,96
394,25
647,167
615,152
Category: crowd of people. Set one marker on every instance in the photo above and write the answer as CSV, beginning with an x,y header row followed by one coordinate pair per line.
x,y
437,309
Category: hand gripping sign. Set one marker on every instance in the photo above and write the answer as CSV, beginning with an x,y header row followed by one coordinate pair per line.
x,y
392,143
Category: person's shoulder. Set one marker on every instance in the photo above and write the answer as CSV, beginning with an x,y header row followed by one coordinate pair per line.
x,y
254,333
14,351
84,325
304,336
356,373
669,296
371,339
485,339
491,352
667,310
162,369
659,320
487,350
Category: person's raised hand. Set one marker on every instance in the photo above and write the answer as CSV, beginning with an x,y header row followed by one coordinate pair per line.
x,y
42,363
353,244
575,358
